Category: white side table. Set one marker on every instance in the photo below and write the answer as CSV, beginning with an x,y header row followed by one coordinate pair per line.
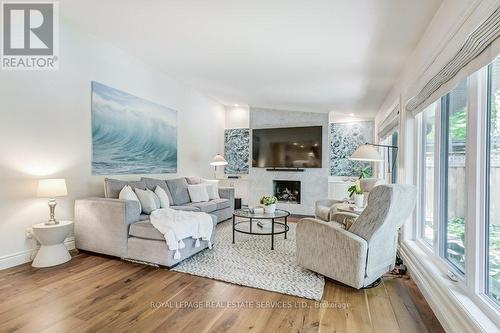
x,y
51,237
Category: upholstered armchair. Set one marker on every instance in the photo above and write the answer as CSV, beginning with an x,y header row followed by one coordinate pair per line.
x,y
326,209
365,251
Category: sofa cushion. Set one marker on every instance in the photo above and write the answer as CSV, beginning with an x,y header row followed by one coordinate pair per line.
x,y
187,208
144,229
212,188
162,197
127,193
198,193
178,188
149,200
207,206
112,187
193,180
151,184
221,203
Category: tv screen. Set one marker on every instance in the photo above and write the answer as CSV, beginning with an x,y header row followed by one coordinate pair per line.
x,y
289,147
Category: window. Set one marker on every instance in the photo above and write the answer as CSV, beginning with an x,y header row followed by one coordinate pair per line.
x,y
394,159
427,196
458,175
389,167
454,172
493,190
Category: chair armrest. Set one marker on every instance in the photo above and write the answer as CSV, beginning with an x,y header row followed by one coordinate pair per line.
x,y
102,224
227,193
345,218
331,251
327,202
323,209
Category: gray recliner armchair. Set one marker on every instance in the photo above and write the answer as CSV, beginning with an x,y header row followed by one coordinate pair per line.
x,y
360,255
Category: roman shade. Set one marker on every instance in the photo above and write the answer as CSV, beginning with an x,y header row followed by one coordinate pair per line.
x,y
478,49
390,123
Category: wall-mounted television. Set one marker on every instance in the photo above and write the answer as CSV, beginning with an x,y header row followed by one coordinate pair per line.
x,y
287,147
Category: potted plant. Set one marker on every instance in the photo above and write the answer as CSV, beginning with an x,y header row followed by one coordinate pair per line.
x,y
357,194
269,203
364,172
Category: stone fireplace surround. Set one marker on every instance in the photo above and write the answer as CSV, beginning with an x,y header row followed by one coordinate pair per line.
x,y
314,181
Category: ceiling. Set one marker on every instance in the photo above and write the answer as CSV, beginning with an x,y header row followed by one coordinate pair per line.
x,y
314,55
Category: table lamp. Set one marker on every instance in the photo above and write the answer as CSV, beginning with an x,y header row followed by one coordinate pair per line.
x,y
52,188
218,160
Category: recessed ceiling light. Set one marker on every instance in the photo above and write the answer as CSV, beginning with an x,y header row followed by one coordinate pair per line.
x,y
236,105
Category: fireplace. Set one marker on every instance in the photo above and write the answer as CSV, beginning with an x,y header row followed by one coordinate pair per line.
x,y
287,191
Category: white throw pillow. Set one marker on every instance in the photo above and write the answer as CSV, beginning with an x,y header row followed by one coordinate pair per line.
x,y
155,198
147,199
162,195
198,193
212,189
127,193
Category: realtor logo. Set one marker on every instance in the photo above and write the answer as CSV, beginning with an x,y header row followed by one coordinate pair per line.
x,y
30,33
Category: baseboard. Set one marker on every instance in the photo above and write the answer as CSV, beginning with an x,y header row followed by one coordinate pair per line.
x,y
440,294
19,258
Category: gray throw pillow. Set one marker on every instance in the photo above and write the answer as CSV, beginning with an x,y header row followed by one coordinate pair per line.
x,y
112,187
178,188
151,184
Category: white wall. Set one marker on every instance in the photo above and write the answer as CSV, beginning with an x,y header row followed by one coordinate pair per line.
x,y
237,116
45,130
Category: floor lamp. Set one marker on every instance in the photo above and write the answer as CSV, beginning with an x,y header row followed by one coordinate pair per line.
x,y
368,153
216,161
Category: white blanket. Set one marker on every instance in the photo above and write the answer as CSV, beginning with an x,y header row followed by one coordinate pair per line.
x,y
175,225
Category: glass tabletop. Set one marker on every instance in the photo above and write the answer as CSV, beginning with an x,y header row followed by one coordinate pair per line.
x,y
278,213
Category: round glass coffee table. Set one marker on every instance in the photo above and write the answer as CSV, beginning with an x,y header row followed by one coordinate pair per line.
x,y
247,226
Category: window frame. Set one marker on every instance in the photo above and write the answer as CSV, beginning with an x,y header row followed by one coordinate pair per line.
x,y
444,142
420,158
487,192
477,240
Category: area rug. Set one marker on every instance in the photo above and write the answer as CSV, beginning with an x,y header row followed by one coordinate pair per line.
x,y
251,262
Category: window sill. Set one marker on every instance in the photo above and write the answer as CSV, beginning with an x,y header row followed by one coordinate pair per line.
x,y
456,311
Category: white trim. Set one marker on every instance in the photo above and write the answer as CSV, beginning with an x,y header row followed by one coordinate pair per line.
x,y
454,309
19,258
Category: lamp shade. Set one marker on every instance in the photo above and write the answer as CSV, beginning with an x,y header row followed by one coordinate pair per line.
x,y
218,160
366,152
51,188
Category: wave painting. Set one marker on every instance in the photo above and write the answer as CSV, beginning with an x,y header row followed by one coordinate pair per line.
x,y
131,135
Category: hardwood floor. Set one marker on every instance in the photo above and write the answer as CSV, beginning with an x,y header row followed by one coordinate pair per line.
x,y
100,294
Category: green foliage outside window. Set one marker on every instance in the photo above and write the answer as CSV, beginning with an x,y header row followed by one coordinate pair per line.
x,y
458,125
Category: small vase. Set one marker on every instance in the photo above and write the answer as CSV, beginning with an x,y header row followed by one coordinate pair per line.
x,y
270,209
359,200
